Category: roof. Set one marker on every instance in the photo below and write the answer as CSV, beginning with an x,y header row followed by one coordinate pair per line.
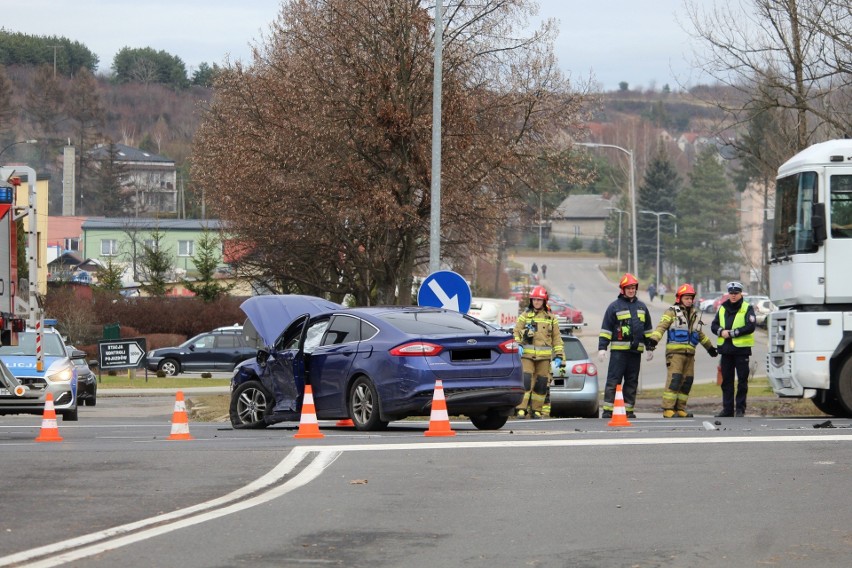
x,y
583,207
129,154
151,223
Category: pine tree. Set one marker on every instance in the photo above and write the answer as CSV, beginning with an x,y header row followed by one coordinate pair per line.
x,y
106,193
156,264
707,222
109,277
657,193
206,261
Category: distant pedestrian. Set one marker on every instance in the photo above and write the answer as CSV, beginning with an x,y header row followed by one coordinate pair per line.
x,y
544,271
661,291
534,268
652,291
734,324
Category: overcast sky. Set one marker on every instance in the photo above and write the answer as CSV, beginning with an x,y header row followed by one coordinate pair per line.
x,y
638,41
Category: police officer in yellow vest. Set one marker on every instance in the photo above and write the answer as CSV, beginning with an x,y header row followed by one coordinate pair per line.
x,y
681,323
539,342
734,324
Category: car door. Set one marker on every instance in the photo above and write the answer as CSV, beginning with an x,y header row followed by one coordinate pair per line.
x,y
330,362
199,355
229,351
282,368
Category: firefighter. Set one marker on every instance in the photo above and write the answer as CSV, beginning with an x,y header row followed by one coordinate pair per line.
x,y
682,325
539,343
625,330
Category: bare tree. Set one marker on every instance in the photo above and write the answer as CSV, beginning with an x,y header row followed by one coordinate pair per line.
x,y
787,55
318,154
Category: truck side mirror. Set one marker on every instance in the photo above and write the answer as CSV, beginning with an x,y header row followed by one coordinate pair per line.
x,y
818,223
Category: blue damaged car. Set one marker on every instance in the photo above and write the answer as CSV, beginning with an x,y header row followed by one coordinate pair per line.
x,y
23,388
373,365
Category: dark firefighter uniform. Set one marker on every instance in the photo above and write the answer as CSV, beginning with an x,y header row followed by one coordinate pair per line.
x,y
537,332
682,328
625,329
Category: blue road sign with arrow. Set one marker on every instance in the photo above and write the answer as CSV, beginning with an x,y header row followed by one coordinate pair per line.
x,y
445,289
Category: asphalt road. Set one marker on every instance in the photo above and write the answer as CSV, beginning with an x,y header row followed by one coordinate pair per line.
x,y
568,492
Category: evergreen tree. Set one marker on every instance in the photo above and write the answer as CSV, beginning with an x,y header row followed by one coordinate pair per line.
x,y
657,193
106,193
156,266
7,110
109,277
706,222
206,260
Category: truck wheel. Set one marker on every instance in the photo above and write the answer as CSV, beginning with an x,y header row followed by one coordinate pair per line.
x,y
843,388
826,402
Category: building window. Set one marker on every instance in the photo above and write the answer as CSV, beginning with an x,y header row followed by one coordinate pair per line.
x,y
186,248
151,244
109,247
72,244
576,230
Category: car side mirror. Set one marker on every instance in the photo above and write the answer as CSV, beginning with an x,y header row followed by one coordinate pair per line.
x,y
191,347
262,357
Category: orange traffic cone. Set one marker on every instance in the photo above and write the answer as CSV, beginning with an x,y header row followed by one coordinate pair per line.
x,y
308,426
49,430
439,420
345,422
180,420
619,414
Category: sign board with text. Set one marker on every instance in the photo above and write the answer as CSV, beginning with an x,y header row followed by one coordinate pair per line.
x,y
121,353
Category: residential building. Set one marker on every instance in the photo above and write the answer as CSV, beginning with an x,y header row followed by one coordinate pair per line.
x,y
149,179
581,216
122,241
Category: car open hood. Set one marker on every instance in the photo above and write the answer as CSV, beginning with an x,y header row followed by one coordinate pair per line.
x,y
270,315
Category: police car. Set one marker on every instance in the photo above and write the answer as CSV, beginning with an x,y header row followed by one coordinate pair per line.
x,y
23,388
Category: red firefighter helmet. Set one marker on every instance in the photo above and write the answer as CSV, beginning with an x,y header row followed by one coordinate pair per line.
x,y
627,280
684,290
539,292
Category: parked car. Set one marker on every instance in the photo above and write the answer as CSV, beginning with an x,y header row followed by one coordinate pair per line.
x,y
87,381
23,388
763,306
375,365
705,303
567,311
217,350
574,390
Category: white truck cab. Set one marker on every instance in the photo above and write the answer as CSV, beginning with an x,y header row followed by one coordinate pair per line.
x,y
810,275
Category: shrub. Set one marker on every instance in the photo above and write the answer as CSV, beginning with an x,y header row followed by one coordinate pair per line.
x,y
575,244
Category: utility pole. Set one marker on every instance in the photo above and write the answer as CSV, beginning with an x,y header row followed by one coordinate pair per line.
x,y
55,47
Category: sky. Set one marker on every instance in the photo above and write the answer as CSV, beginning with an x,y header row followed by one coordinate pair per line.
x,y
637,41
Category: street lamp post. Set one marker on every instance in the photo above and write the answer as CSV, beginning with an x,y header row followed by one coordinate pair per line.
x,y
16,143
658,214
632,190
620,211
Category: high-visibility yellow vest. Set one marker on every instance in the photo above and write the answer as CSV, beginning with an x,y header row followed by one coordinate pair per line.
x,y
739,321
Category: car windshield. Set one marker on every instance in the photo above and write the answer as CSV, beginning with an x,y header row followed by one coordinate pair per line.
x,y
430,323
51,345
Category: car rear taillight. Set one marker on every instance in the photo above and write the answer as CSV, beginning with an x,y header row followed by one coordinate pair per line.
x,y
584,369
416,349
509,346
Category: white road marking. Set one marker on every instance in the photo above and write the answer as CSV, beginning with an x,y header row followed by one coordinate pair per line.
x,y
110,539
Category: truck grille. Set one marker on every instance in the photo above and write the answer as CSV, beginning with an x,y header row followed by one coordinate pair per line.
x,y
778,333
